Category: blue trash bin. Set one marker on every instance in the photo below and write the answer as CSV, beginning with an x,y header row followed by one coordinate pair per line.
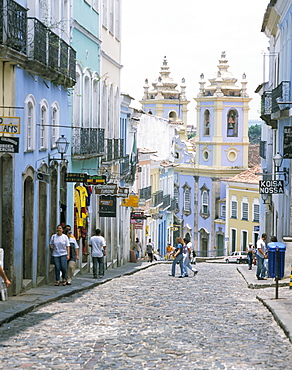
x,y
272,256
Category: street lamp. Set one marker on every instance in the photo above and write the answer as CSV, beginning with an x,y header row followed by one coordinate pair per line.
x,y
278,159
62,146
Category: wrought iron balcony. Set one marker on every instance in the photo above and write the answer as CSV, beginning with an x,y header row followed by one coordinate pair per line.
x,y
266,103
166,202
31,44
173,205
125,165
88,142
114,149
281,94
145,193
13,25
157,198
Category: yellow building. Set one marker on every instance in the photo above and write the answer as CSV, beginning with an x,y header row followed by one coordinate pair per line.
x,y
242,210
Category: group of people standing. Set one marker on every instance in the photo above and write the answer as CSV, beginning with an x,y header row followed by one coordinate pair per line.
x,y
65,253
261,254
182,255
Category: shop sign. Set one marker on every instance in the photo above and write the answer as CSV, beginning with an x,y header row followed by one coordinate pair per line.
x,y
107,206
123,192
138,224
271,187
107,189
287,145
9,125
85,178
137,216
9,144
43,177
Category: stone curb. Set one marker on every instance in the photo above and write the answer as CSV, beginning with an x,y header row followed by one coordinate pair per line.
x,y
280,314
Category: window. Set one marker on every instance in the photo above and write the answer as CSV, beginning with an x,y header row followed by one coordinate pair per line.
x,y
244,240
204,209
111,16
104,13
187,200
233,240
118,22
244,205
223,211
263,149
29,123
232,123
205,202
256,212
207,122
43,125
172,116
233,209
54,125
176,197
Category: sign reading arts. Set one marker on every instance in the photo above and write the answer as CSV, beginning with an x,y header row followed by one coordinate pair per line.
x,y
271,187
9,125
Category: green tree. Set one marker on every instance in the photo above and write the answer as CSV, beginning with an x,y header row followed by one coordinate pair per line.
x,y
254,134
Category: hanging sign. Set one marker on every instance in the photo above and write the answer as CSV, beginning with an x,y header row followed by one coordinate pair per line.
x,y
287,145
271,187
9,144
9,125
108,189
107,206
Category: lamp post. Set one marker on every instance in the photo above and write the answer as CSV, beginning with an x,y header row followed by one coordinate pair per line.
x,y
278,159
62,146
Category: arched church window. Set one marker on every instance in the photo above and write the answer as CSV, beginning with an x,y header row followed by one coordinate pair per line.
x,y
232,123
172,116
207,122
205,202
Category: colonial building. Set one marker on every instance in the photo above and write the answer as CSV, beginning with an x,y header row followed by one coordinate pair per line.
x,y
221,152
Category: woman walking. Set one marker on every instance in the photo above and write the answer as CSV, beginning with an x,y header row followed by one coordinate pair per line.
x,y
60,247
178,258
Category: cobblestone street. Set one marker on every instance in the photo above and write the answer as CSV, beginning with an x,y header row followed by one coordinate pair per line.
x,y
149,320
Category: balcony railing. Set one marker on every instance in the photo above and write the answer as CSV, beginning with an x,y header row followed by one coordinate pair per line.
x,y
13,25
173,205
266,103
145,193
31,44
125,165
88,142
280,94
165,202
114,149
157,198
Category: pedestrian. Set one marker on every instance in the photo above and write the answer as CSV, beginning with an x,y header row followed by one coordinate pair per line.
x,y
261,255
98,251
178,258
187,250
250,251
169,251
137,247
60,246
149,250
74,256
7,282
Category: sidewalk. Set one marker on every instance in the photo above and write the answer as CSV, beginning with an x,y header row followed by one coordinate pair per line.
x,y
27,301
280,308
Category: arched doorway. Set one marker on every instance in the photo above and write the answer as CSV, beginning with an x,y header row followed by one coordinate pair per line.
x,y
7,212
28,225
54,201
42,227
204,239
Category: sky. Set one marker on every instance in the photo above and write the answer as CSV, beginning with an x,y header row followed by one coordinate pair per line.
x,y
192,34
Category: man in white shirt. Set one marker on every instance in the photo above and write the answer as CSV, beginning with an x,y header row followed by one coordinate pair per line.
x,y
98,246
261,255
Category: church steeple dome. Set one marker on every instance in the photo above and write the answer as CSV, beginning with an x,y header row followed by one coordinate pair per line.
x,y
165,99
